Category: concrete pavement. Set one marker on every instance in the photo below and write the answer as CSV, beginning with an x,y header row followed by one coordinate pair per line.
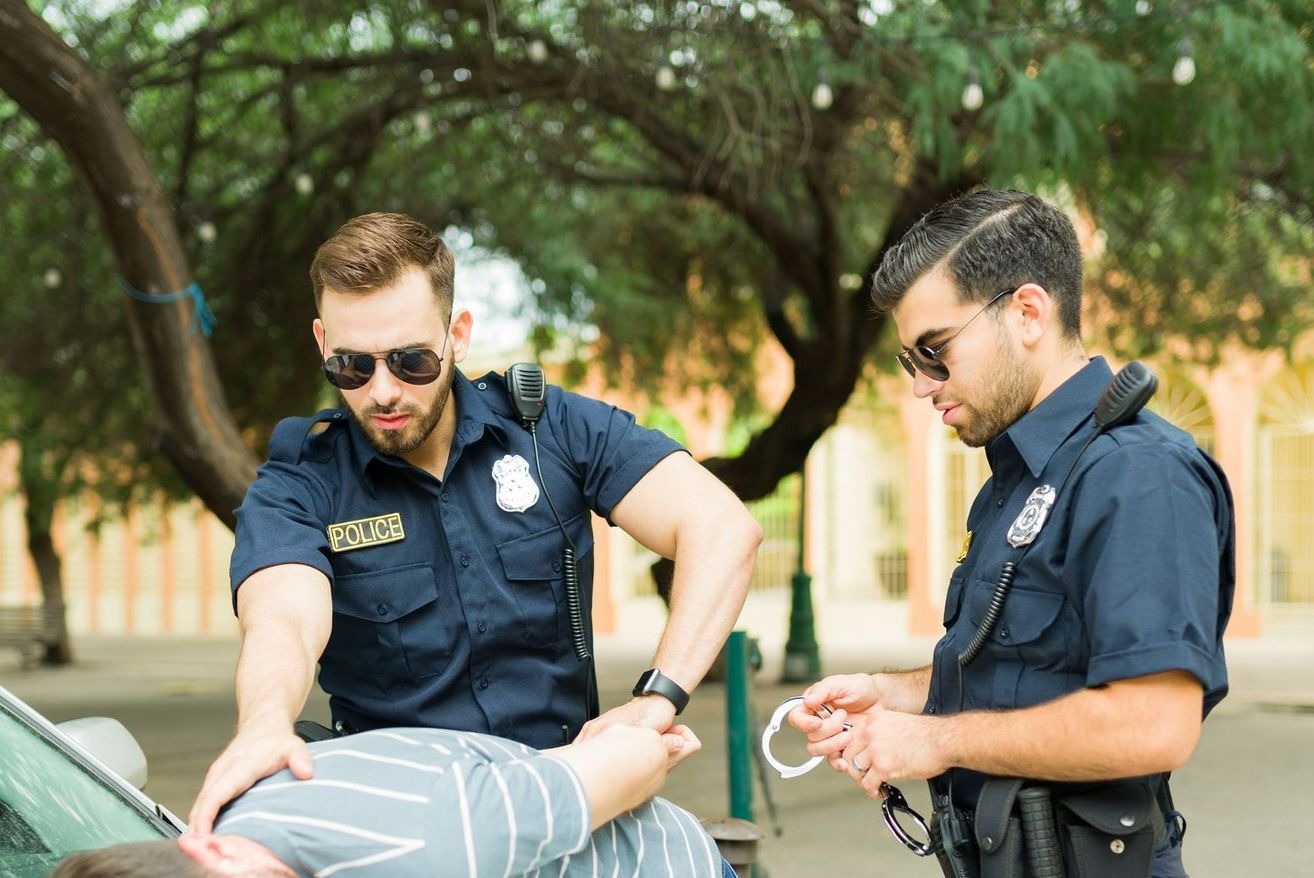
x,y
1246,793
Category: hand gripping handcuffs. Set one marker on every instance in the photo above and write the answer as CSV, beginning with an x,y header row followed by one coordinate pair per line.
x,y
891,806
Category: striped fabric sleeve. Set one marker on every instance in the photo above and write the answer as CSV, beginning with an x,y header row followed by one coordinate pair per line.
x,y
504,816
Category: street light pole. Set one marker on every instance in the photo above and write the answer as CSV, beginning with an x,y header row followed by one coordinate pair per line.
x,y
802,657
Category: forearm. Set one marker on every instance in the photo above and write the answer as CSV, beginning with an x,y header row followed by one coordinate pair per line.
x,y
713,564
619,772
274,675
904,691
1127,729
286,617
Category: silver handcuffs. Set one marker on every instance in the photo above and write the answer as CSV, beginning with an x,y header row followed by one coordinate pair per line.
x,y
778,719
891,806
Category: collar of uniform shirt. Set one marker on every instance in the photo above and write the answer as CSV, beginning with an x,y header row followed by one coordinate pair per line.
x,y
1040,432
473,413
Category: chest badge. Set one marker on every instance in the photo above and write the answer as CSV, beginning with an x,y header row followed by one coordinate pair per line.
x,y
347,535
1032,517
967,546
516,490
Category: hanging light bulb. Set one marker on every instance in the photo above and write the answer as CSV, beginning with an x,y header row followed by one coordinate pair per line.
x,y
537,51
52,278
207,232
973,96
822,96
304,183
1184,69
665,78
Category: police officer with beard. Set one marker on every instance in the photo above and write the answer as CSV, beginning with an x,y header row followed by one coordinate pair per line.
x,y
1092,685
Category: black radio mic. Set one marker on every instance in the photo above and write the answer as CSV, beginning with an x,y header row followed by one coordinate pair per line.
x,y
528,390
1125,395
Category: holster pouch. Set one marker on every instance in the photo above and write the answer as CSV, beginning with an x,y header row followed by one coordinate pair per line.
x,y
998,829
1104,833
1110,832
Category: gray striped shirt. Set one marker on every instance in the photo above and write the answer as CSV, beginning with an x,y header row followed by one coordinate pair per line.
x,y
433,802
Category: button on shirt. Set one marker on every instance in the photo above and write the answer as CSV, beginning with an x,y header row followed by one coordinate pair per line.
x,y
448,604
1131,574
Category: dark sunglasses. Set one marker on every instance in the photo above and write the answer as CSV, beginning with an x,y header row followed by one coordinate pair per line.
x,y
925,359
412,365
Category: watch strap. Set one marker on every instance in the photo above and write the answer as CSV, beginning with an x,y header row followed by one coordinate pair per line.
x,y
654,682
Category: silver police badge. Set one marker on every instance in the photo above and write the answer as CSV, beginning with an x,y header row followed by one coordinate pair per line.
x,y
516,490
1032,517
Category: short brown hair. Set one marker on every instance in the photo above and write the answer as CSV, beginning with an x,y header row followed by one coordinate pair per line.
x,y
375,250
141,859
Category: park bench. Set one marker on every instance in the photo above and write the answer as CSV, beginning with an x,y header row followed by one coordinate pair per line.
x,y
24,628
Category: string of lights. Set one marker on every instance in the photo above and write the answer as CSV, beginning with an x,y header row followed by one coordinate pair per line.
x,y
973,97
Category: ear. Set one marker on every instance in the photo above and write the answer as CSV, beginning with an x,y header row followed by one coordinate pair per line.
x,y
459,333
204,849
1036,310
318,328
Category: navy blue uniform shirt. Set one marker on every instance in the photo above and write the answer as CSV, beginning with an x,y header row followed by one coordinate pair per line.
x,y
1132,574
448,603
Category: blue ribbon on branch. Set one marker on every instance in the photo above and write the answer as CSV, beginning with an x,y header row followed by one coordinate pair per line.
x,y
204,318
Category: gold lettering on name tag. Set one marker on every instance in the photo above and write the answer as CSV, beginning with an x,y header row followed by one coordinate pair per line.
x,y
348,535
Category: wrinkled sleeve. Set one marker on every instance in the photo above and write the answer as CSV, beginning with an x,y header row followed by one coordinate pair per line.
x,y
281,521
607,447
1148,551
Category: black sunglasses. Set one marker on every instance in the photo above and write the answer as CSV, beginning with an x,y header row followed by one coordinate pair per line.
x,y
925,359
412,365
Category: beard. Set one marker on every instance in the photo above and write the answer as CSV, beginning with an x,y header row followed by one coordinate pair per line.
x,y
412,436
1007,393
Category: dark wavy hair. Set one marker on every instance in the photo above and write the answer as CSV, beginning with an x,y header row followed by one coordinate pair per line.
x,y
988,240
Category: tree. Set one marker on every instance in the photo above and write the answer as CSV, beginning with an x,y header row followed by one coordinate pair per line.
x,y
685,177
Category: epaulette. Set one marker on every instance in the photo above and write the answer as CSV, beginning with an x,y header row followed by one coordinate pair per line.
x,y
289,440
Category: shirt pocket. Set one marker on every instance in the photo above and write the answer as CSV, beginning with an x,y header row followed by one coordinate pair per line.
x,y
389,622
1022,661
533,566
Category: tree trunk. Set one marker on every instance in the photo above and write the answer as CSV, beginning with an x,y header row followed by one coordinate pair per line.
x,y
41,491
52,83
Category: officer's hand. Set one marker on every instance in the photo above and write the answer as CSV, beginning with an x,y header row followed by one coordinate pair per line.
x,y
681,743
249,757
890,745
649,711
853,692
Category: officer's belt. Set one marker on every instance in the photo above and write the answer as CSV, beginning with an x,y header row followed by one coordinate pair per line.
x,y
1111,831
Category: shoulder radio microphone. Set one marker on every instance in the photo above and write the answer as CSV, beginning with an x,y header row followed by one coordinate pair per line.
x,y
527,389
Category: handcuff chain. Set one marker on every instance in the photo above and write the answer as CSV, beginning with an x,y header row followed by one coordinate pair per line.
x,y
893,803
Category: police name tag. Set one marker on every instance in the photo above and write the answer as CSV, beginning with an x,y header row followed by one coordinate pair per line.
x,y
364,532
1032,517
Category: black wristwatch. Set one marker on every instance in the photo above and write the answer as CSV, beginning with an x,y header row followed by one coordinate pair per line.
x,y
654,682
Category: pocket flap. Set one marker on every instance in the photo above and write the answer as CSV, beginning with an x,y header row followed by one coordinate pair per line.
x,y
538,555
1026,613
1120,810
384,595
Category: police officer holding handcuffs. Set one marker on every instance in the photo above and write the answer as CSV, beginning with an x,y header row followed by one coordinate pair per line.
x,y
1084,621
428,544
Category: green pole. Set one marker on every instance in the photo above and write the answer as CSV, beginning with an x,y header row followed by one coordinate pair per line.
x,y
802,656
738,726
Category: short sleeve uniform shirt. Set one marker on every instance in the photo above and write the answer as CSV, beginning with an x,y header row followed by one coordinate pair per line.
x,y
1131,574
448,600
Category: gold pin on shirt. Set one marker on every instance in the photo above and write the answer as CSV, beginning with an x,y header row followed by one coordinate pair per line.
x,y
967,544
